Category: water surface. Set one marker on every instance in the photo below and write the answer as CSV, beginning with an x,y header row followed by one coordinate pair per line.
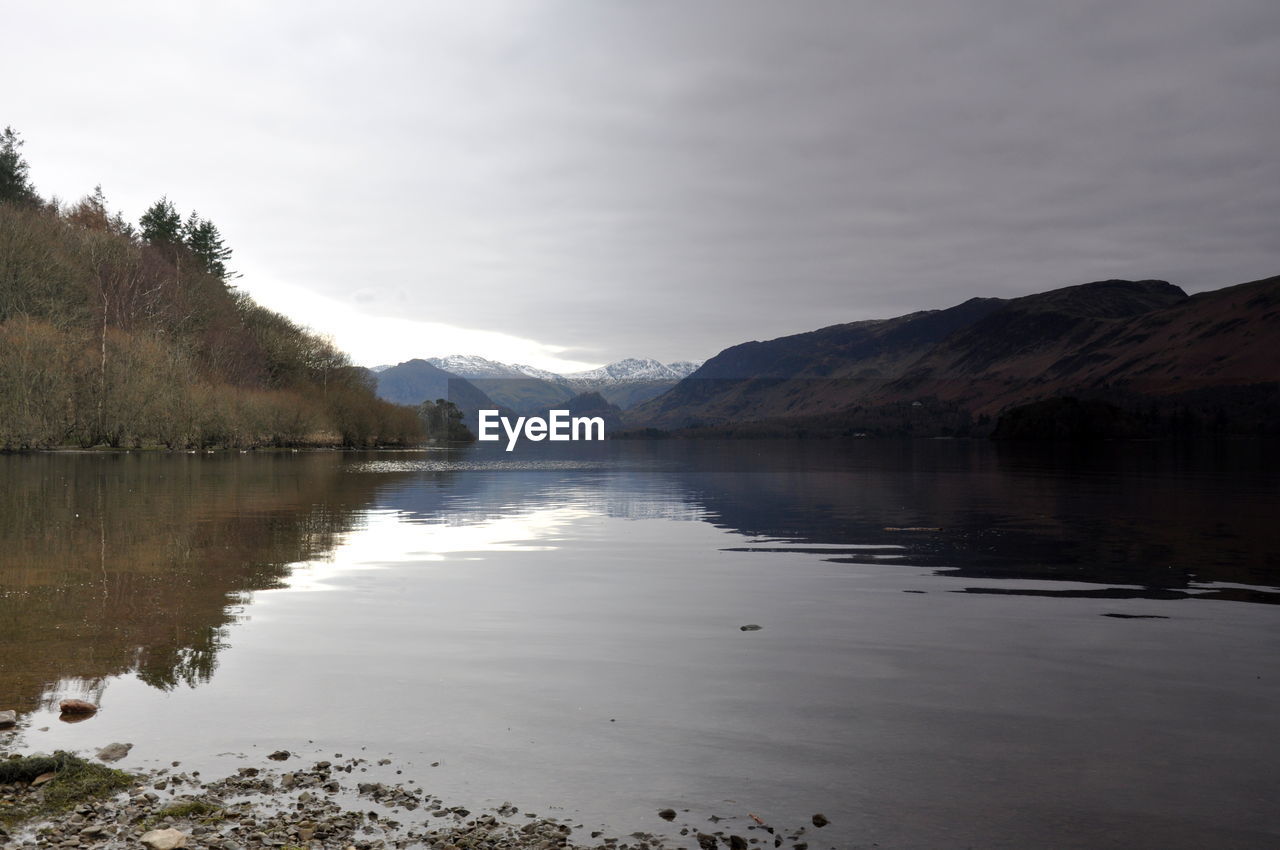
x,y
961,644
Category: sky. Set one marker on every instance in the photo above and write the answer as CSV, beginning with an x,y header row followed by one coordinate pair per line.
x,y
570,183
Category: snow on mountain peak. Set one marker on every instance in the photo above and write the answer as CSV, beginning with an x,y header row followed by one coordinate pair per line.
x,y
685,368
630,370
473,366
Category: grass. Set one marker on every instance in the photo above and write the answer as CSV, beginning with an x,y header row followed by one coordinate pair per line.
x,y
199,810
75,780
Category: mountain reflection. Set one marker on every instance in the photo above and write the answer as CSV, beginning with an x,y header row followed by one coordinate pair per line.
x,y
1160,518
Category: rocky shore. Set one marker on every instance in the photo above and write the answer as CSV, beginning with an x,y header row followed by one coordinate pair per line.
x,y
64,801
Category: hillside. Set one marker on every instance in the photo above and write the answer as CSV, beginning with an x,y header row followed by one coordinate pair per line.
x,y
954,370
121,335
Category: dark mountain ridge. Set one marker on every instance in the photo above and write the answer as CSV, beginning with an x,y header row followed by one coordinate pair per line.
x,y
943,371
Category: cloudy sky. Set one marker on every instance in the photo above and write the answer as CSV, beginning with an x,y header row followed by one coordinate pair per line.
x,y
567,183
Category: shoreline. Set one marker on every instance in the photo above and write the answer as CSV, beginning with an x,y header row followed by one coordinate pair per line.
x,y
315,805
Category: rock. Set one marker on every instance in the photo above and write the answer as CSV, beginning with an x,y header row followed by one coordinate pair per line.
x,y
164,839
737,842
77,706
8,718
667,814
750,627
820,820
279,755
43,778
114,752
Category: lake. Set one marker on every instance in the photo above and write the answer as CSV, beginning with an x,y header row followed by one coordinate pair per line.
x,y
961,644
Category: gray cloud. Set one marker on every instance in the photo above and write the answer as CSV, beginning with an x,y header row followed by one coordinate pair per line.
x,y
666,179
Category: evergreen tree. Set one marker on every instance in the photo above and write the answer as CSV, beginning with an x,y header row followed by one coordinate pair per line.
x,y
14,185
205,242
161,224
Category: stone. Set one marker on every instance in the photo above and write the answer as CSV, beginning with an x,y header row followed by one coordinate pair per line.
x,y
114,752
820,820
8,718
279,755
77,706
43,778
667,814
750,627
164,839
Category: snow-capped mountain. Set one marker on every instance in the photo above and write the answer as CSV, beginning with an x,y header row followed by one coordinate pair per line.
x,y
629,371
535,372
685,368
473,366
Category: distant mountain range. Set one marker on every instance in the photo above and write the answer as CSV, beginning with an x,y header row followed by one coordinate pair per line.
x,y
1211,360
1140,357
522,389
628,371
470,366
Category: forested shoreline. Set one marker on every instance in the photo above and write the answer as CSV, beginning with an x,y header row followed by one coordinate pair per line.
x,y
119,335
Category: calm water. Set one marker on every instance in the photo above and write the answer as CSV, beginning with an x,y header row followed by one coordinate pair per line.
x,y
1083,654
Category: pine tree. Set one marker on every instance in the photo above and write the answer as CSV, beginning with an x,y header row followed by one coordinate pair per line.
x,y
205,242
161,224
14,185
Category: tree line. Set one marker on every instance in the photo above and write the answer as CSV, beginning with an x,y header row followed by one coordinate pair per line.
x,y
121,335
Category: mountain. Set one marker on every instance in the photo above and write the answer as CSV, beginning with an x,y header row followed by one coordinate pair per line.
x,y
525,396
628,395
471,366
627,383
631,370
685,368
525,390
529,390
1131,343
416,381
594,404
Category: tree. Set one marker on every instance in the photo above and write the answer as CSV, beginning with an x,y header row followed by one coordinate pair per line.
x,y
14,185
161,224
91,213
442,420
205,242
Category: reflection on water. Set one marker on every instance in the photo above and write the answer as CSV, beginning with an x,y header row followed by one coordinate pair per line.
x,y
551,618
115,563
